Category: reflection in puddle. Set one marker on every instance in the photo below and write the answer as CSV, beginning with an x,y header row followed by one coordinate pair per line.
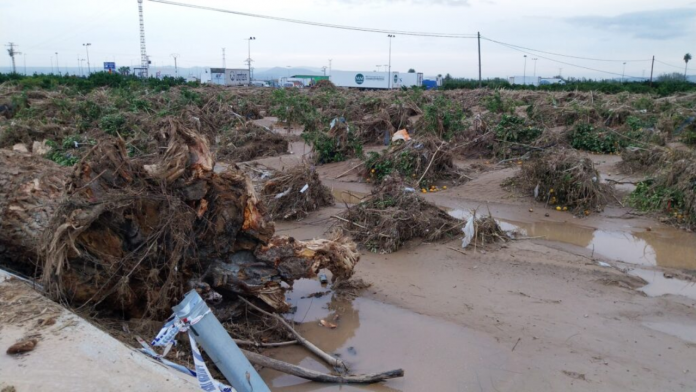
x,y
349,197
685,332
666,246
659,285
372,336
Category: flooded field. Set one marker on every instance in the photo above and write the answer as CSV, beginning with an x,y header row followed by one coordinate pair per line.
x,y
664,246
373,336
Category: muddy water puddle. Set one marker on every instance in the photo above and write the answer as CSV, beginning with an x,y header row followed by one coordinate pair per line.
x,y
373,337
659,285
664,247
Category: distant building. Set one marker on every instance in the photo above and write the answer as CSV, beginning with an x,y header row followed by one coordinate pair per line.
x,y
526,80
543,81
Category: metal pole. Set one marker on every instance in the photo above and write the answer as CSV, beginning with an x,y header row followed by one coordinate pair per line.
x,y
623,72
57,66
479,57
89,67
330,66
651,70
217,343
524,75
389,76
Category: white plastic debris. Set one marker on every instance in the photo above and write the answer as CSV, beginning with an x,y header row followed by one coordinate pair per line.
x,y
409,189
468,232
603,264
304,188
283,194
536,191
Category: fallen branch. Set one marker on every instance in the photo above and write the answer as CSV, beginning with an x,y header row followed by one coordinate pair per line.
x,y
431,162
257,344
348,171
347,221
333,361
258,359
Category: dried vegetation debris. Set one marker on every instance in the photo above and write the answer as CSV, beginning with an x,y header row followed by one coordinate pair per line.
x,y
132,232
293,193
421,162
393,215
564,179
670,183
249,141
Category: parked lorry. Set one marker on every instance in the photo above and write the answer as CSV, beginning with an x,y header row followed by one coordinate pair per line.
x,y
375,80
411,79
364,80
229,77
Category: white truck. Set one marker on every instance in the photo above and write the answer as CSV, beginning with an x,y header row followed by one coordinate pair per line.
x,y
375,80
411,79
364,80
229,77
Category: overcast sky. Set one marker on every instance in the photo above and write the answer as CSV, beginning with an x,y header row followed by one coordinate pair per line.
x,y
608,29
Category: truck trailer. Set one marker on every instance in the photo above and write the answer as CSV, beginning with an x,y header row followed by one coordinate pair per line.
x,y
375,80
411,79
364,80
229,77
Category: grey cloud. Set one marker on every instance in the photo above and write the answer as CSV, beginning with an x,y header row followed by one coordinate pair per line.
x,y
455,3
657,25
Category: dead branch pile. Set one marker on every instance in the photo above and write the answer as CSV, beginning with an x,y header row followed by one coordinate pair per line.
x,y
295,192
647,160
670,187
487,231
324,84
393,215
564,179
420,162
249,141
130,234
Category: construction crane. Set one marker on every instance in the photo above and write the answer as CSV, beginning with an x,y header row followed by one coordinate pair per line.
x,y
12,52
144,60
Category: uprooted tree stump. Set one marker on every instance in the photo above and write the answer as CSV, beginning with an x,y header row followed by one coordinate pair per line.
x,y
132,234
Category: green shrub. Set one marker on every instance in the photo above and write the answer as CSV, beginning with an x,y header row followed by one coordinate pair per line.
x,y
444,118
586,137
114,125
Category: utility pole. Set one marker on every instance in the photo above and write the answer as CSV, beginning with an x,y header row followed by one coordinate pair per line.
x,y
223,59
249,53
89,67
12,52
324,70
479,56
79,65
379,68
51,64
176,68
651,70
524,72
57,66
535,60
390,39
623,73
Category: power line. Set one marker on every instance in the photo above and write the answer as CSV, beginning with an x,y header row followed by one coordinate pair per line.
x,y
319,24
563,55
663,63
558,61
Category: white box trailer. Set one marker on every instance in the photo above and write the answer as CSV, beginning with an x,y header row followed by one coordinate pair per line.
x,y
411,79
229,77
366,80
